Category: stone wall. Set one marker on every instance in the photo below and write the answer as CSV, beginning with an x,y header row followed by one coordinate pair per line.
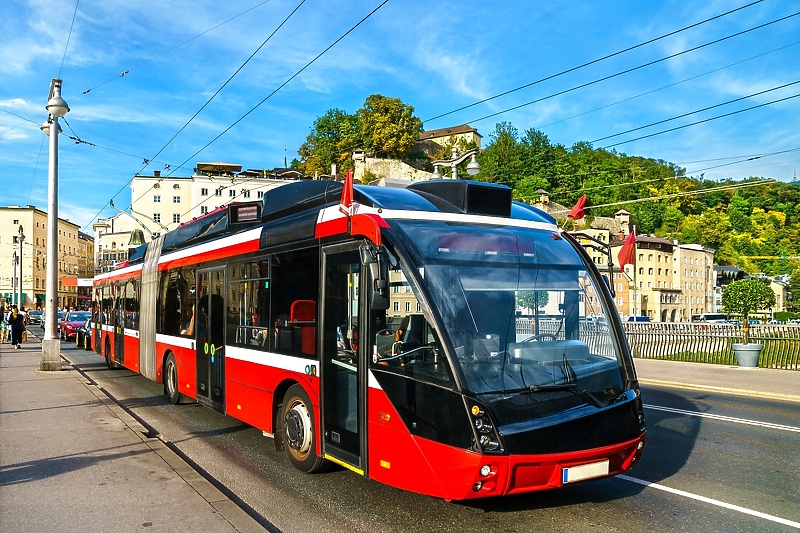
x,y
388,168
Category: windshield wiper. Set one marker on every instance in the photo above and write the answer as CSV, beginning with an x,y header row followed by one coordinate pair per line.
x,y
569,387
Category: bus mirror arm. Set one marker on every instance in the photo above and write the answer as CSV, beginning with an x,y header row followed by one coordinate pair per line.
x,y
373,257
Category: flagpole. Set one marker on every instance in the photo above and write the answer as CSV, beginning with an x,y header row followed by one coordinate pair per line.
x,y
635,301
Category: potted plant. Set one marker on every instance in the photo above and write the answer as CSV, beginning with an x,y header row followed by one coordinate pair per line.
x,y
742,297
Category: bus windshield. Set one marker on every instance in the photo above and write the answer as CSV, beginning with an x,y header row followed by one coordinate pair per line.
x,y
523,312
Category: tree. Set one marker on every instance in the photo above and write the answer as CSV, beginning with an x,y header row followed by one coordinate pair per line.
x,y
793,303
532,299
744,296
388,127
332,140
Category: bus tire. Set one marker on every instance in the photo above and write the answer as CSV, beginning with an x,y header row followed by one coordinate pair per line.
x,y
171,380
298,431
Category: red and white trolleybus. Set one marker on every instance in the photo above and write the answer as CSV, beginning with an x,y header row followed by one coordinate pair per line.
x,y
378,328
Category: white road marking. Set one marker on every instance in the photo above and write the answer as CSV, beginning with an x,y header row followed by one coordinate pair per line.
x,y
724,418
711,501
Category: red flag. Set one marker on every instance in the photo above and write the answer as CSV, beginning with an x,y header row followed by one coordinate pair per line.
x,y
346,202
628,252
576,213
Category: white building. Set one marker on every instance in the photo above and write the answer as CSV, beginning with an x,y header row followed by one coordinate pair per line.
x,y
160,203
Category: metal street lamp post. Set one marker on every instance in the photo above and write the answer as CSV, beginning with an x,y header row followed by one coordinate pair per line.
x,y
20,237
51,346
472,167
14,262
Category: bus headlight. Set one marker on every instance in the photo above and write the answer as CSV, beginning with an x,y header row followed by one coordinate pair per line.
x,y
488,438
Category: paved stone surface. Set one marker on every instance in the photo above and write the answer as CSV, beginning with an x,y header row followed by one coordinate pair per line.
x,y
72,460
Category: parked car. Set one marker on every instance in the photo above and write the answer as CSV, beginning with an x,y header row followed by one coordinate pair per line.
x,y
71,322
34,317
83,335
60,318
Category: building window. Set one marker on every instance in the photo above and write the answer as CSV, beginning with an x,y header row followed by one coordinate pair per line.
x,y
231,193
247,193
176,199
218,192
203,209
176,218
396,306
408,307
203,192
260,194
156,198
157,217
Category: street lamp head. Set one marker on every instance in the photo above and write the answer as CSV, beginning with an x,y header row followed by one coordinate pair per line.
x,y
46,128
57,106
473,167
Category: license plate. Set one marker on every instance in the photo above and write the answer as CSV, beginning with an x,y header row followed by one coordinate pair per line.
x,y
587,471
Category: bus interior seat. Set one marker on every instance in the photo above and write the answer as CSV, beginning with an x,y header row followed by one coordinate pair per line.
x,y
303,314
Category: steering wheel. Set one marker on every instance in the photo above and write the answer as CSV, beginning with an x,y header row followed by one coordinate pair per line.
x,y
541,337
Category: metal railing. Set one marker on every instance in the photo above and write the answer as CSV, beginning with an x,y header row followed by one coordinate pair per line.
x,y
712,343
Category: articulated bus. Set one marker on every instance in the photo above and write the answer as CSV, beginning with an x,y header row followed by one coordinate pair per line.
x,y
375,328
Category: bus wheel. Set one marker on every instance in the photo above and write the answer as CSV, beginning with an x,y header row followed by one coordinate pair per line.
x,y
171,380
107,353
298,431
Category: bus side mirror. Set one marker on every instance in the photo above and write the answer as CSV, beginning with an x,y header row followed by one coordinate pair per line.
x,y
374,259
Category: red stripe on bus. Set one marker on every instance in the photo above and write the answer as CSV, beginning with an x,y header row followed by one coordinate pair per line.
x,y
328,228
211,255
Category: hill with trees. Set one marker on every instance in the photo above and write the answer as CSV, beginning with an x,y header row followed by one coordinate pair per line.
x,y
753,223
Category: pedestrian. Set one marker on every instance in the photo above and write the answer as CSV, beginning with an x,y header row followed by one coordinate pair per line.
x,y
16,322
3,325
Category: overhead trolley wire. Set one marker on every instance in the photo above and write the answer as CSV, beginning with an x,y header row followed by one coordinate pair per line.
x,y
128,71
573,69
676,117
702,121
224,84
293,76
670,85
69,35
649,63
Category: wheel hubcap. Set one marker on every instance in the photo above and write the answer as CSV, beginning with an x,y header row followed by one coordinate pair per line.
x,y
298,428
171,387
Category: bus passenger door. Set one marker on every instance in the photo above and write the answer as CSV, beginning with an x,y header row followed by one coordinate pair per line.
x,y
343,383
119,324
210,338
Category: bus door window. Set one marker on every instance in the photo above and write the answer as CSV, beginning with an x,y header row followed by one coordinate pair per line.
x,y
341,391
209,325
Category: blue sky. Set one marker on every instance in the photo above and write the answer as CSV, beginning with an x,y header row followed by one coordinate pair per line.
x,y
435,56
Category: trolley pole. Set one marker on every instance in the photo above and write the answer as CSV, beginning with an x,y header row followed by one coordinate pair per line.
x,y
51,346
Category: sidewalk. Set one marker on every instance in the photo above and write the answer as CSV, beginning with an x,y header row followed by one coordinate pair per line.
x,y
762,382
72,460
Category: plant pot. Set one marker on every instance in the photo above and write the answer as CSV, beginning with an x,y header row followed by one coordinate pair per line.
x,y
747,354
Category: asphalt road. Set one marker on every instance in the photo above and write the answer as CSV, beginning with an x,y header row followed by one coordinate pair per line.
x,y
706,467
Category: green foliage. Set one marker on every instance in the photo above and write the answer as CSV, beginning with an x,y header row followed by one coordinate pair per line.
x,y
529,299
368,176
744,296
384,126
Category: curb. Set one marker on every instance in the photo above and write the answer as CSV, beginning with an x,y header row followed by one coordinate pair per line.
x,y
224,506
726,390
